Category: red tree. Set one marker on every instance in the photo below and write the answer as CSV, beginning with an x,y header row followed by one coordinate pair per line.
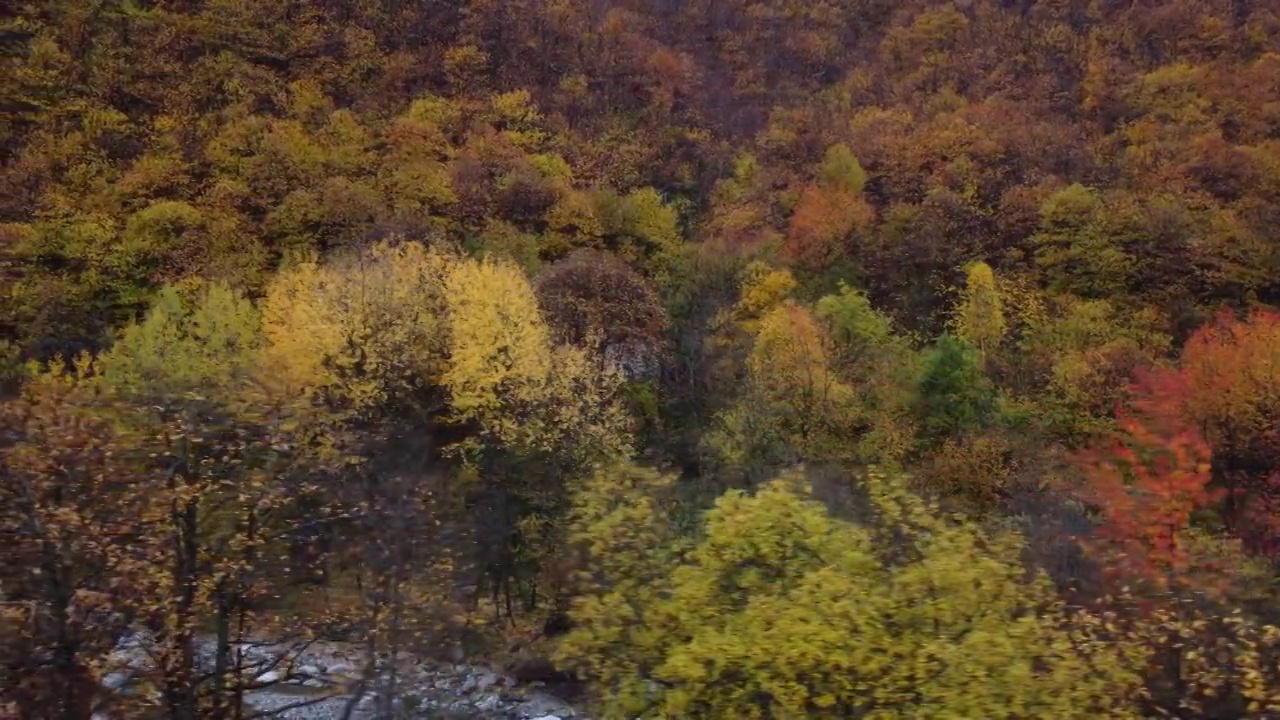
x,y
1231,371
1147,482
1202,438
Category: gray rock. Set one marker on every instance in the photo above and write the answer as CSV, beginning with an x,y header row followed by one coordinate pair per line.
x,y
341,668
326,709
116,680
253,663
486,680
427,689
538,706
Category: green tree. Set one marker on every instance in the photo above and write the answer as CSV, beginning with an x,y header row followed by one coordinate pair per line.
x,y
840,170
1074,250
780,610
881,365
201,343
954,395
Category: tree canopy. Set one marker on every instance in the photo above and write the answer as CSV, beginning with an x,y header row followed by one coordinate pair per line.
x,y
751,358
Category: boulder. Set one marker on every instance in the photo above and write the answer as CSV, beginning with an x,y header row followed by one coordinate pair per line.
x,y
115,680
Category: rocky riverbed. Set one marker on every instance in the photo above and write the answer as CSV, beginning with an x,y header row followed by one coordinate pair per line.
x,y
320,681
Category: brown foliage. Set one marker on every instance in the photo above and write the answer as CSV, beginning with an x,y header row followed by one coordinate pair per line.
x,y
823,226
592,299
72,519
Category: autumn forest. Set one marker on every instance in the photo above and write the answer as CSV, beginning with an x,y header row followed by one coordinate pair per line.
x,y
712,359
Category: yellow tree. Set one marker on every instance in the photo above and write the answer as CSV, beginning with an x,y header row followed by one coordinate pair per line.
x,y
781,610
793,406
410,352
979,317
537,415
789,366
499,347
761,288
507,376
357,332
404,327
358,346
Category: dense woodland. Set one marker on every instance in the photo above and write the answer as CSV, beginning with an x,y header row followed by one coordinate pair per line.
x,y
737,358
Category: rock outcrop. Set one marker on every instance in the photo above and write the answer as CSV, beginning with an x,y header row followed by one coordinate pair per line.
x,y
321,680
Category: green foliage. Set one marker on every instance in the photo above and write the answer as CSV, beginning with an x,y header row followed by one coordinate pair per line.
x,y
857,328
11,367
756,617
200,341
882,366
620,521
519,119
954,395
1074,249
157,232
643,226
505,241
840,169
1083,354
